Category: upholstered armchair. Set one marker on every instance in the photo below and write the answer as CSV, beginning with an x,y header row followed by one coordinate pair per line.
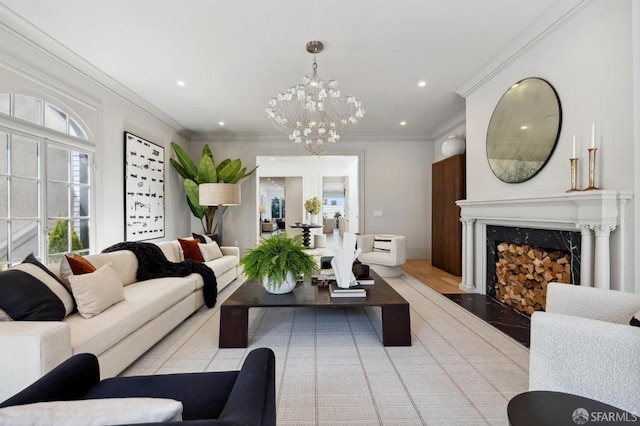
x,y
583,345
243,397
385,254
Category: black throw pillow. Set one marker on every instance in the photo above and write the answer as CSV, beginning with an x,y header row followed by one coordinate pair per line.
x,y
203,240
199,237
24,297
635,320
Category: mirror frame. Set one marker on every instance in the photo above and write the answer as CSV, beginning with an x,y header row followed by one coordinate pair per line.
x,y
553,140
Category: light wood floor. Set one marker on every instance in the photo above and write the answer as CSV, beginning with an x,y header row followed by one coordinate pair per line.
x,y
439,280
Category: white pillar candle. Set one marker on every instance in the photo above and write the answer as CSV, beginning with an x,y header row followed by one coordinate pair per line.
x,y
574,147
593,135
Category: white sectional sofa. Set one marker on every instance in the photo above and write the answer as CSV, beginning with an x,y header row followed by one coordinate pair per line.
x,y
118,335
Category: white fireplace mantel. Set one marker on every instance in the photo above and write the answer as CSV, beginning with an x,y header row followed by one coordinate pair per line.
x,y
593,213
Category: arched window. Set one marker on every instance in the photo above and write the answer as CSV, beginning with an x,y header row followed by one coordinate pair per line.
x,y
45,181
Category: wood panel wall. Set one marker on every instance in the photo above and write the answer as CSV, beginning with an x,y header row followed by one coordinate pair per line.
x,y
449,185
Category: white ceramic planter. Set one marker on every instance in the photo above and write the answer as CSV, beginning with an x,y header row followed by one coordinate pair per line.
x,y
286,287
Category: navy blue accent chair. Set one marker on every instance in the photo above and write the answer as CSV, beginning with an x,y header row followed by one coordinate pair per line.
x,y
244,397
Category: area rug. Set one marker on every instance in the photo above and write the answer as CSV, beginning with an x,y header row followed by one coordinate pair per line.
x,y
332,368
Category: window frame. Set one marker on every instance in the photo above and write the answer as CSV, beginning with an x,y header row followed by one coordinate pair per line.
x,y
46,137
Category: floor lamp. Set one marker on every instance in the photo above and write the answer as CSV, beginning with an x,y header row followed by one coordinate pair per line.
x,y
219,194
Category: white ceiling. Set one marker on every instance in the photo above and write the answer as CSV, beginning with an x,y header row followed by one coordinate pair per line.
x,y
235,55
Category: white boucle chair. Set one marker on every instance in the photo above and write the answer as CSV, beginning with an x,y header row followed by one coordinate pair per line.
x,y
583,345
385,254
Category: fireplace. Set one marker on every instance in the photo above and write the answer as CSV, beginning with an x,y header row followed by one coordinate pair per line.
x,y
530,258
589,225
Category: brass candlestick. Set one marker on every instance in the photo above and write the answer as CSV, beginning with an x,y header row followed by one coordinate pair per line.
x,y
592,170
574,175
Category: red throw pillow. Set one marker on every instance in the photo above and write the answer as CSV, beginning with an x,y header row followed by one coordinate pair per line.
x,y
191,250
79,265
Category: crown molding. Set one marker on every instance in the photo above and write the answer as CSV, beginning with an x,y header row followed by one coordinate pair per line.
x,y
450,125
551,20
280,137
19,28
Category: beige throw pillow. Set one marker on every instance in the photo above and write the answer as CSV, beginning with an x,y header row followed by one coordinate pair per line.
x,y
96,291
210,251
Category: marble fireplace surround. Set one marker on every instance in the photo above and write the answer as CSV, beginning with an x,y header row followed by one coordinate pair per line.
x,y
568,242
595,214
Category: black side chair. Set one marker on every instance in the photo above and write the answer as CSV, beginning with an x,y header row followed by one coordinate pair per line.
x,y
245,397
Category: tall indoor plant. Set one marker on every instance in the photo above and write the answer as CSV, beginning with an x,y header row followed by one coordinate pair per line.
x,y
278,261
227,171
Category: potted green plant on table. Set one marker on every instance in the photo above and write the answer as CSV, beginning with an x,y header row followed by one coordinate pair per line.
x,y
337,217
227,171
278,261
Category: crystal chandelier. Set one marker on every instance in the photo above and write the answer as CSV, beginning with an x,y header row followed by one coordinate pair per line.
x,y
313,113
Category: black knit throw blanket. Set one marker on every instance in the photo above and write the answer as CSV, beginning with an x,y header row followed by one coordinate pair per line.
x,y
152,263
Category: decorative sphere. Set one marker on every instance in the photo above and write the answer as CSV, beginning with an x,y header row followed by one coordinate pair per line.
x,y
453,146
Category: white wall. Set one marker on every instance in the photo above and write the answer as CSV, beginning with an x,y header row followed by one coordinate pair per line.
x,y
636,112
26,68
588,60
396,179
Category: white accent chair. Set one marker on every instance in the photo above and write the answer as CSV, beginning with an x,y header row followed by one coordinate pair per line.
x,y
583,345
386,263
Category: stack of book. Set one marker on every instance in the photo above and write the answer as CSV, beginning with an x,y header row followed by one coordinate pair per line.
x,y
336,291
365,281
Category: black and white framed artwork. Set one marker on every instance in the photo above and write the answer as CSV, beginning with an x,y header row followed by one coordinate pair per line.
x,y
143,189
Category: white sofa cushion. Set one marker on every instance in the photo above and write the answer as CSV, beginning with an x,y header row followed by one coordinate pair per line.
x,y
143,302
222,265
96,291
89,412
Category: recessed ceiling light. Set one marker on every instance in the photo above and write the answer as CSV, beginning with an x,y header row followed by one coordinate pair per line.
x,y
221,123
403,123
524,127
422,83
181,83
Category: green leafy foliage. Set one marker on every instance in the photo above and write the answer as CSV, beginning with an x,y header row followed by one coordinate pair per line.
x,y
228,171
275,256
59,239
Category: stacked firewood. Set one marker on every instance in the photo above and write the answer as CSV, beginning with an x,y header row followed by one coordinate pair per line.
x,y
523,272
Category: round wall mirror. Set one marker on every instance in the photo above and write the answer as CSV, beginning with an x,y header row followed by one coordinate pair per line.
x,y
523,130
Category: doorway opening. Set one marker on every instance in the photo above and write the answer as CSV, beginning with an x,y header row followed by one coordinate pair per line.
x,y
288,181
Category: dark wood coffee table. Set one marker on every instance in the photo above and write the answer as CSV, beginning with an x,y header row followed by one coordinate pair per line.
x,y
234,312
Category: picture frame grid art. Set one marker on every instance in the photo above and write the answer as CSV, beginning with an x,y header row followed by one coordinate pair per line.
x,y
143,189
